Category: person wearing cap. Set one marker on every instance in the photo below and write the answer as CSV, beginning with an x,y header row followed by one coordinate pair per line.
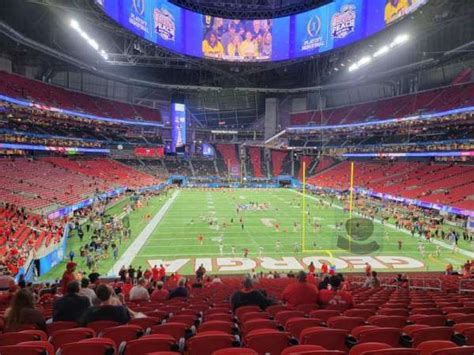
x,y
300,292
68,276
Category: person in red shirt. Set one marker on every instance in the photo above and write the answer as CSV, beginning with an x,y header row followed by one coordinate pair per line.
x,y
368,269
155,272
200,239
324,268
333,297
68,276
159,293
300,292
147,274
311,268
162,273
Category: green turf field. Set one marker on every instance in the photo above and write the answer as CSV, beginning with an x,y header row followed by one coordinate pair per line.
x,y
175,241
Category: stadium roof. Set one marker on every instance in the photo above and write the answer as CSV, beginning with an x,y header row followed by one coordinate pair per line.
x,y
249,9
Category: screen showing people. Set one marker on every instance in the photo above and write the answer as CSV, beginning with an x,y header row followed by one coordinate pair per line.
x,y
237,39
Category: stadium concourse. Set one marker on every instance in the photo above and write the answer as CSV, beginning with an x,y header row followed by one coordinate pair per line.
x,y
222,177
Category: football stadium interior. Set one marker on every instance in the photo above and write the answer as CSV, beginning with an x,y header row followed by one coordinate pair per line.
x,y
212,177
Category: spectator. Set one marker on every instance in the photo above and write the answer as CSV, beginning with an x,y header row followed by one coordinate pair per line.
x,y
334,298
139,292
372,281
248,296
86,291
110,308
159,293
324,284
68,275
300,292
6,281
72,305
181,290
22,311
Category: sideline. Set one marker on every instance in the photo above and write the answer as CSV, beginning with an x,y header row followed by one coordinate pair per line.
x,y
434,241
141,239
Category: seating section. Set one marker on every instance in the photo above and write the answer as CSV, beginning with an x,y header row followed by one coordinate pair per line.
x,y
278,159
228,153
401,106
53,182
20,87
205,324
21,233
256,161
435,183
107,170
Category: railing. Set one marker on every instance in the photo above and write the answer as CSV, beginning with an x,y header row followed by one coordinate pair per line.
x,y
425,284
466,285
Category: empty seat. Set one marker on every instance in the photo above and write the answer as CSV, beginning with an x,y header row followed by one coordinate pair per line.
x,y
431,333
61,325
258,324
95,346
361,349
324,314
301,349
216,325
208,342
235,351
267,341
66,336
176,330
458,350
332,339
295,325
122,333
390,336
283,316
149,343
388,321
343,322
100,325
19,337
427,347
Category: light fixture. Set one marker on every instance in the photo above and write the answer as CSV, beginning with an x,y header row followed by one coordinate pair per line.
x,y
381,51
92,42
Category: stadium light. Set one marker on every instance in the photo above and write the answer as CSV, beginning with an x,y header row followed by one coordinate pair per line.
x,y
92,42
400,39
364,60
381,51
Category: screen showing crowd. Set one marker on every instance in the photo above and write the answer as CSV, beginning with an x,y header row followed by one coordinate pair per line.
x,y
237,39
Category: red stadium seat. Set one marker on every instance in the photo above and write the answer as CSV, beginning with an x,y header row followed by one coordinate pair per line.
x,y
28,348
432,320
149,343
235,351
390,336
324,314
258,324
189,320
301,349
176,330
431,333
122,333
393,351
100,325
66,336
331,339
388,321
218,316
19,337
267,341
294,326
459,350
253,315
95,346
343,322
61,325
427,347
361,349
283,316
146,322
273,310
362,313
306,308
216,325
208,342
245,309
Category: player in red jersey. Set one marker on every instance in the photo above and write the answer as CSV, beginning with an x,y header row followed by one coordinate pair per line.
x,y
200,239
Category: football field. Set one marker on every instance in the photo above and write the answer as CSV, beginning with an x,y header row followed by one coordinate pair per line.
x,y
215,227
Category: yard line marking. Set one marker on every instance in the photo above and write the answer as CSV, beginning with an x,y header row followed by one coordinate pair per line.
x,y
142,238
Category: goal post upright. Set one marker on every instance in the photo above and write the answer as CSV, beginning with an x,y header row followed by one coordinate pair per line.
x,y
303,212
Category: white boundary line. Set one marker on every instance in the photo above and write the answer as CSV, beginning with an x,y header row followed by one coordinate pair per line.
x,y
142,238
434,241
